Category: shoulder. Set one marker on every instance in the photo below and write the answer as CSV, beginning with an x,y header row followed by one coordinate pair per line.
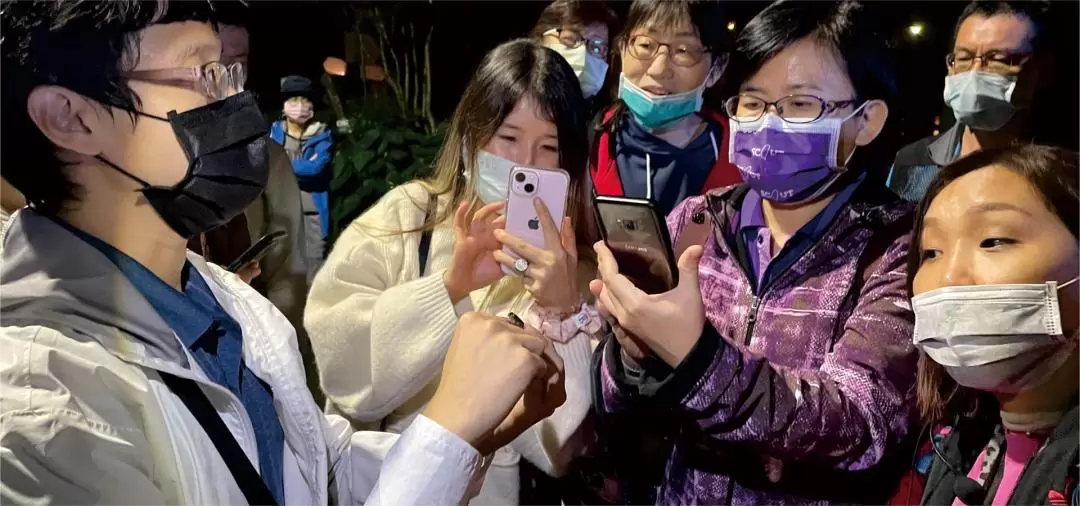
x,y
56,377
401,208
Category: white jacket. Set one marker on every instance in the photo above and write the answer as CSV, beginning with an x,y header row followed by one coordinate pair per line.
x,y
380,334
85,418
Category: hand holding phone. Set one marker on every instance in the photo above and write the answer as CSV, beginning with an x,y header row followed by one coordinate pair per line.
x,y
539,243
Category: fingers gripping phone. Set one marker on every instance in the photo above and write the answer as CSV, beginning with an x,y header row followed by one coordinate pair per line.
x,y
638,238
551,186
257,251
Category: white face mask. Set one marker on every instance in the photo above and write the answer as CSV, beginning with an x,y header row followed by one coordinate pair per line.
x,y
589,69
492,175
994,338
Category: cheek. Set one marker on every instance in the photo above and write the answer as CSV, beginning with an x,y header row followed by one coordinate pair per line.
x,y
688,79
546,159
505,149
154,154
925,279
633,68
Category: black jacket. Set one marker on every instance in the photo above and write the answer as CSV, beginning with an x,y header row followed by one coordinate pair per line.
x,y
1052,473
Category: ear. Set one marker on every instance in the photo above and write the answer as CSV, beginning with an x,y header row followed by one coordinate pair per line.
x,y
874,114
717,70
67,119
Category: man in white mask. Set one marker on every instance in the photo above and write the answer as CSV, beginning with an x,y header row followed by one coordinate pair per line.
x,y
997,64
580,32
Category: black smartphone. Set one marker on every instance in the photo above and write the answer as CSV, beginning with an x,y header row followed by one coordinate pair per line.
x,y
638,237
257,251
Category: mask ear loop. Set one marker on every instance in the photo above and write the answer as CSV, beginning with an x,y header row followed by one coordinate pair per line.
x,y
856,112
1067,283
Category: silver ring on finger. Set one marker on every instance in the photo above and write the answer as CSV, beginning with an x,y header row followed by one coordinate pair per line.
x,y
521,265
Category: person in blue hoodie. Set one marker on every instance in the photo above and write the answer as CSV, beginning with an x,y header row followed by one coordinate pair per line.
x,y
308,144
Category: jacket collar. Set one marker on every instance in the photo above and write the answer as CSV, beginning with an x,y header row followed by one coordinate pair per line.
x,y
945,149
50,277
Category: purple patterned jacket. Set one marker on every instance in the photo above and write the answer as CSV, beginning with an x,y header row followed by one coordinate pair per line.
x,y
803,393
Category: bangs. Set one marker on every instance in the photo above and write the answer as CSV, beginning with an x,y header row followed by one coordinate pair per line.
x,y
660,16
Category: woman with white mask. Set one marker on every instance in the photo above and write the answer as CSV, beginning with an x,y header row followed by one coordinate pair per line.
x,y
658,141
580,31
382,310
994,263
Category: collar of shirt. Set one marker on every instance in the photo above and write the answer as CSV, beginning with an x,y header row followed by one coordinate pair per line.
x,y
183,312
752,216
946,148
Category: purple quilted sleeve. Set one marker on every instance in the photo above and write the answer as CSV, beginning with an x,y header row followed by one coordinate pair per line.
x,y
843,414
615,390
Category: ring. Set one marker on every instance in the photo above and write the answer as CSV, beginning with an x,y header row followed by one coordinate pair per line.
x,y
521,265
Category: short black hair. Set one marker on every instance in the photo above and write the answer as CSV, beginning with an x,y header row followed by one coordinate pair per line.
x,y
1034,11
81,45
571,12
849,30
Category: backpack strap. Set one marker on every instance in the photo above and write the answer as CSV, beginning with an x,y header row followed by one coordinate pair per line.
x,y
425,236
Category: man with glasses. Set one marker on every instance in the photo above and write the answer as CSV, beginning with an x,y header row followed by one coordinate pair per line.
x,y
994,70
658,141
133,371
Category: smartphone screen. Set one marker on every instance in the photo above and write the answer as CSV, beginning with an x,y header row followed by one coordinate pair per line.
x,y
638,239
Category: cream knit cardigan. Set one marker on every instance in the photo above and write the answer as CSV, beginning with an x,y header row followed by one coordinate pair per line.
x,y
380,334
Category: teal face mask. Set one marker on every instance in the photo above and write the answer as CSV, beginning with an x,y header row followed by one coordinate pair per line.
x,y
656,111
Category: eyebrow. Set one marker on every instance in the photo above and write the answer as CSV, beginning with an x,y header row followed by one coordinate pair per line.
x,y
989,207
191,51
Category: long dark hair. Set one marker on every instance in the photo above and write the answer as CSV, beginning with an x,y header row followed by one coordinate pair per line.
x,y
1055,175
512,71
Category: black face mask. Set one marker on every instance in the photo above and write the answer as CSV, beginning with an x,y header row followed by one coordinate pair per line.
x,y
225,144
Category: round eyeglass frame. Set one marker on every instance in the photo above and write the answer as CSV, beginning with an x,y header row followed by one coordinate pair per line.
x,y
731,106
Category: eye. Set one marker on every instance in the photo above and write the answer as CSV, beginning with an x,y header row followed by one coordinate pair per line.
x,y
508,138
553,149
996,242
928,254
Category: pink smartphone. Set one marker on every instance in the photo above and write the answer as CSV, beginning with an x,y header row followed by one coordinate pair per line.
x,y
551,186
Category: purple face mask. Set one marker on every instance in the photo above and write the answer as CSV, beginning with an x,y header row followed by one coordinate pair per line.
x,y
787,162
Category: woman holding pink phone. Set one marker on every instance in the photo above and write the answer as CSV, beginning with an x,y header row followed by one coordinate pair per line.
x,y
382,310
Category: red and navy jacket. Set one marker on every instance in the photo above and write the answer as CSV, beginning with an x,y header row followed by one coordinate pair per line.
x,y
605,173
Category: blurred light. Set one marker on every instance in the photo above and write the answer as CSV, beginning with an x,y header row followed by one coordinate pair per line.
x,y
731,26
936,132
915,29
937,120
334,66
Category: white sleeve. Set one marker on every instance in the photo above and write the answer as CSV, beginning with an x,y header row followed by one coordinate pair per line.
x,y
379,336
426,464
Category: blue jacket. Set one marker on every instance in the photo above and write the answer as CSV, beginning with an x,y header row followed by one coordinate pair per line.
x,y
313,171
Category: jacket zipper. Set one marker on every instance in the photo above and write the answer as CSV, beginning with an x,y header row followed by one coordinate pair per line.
x,y
751,319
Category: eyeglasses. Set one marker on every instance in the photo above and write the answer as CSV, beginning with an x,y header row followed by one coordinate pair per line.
x,y
998,62
213,79
643,47
792,108
573,39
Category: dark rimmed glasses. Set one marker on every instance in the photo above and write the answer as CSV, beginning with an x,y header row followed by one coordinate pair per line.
x,y
215,79
745,108
573,39
683,54
998,62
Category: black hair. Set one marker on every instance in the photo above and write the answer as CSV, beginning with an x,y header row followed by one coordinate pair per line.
x,y
84,46
561,13
1054,173
1034,11
846,28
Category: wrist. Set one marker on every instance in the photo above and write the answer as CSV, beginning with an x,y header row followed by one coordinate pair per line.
x,y
451,420
453,288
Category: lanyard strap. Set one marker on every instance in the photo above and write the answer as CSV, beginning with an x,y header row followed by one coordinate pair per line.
x,y
247,478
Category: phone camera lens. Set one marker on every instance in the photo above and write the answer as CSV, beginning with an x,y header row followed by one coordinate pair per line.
x,y
519,177
529,187
630,225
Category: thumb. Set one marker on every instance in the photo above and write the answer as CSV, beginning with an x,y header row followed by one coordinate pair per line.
x,y
688,266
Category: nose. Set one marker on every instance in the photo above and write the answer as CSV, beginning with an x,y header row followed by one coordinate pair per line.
x,y
957,271
659,66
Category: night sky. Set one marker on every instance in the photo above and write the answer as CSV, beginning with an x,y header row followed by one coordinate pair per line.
x,y
295,37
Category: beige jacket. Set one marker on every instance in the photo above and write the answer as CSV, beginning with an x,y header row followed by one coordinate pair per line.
x,y
380,334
